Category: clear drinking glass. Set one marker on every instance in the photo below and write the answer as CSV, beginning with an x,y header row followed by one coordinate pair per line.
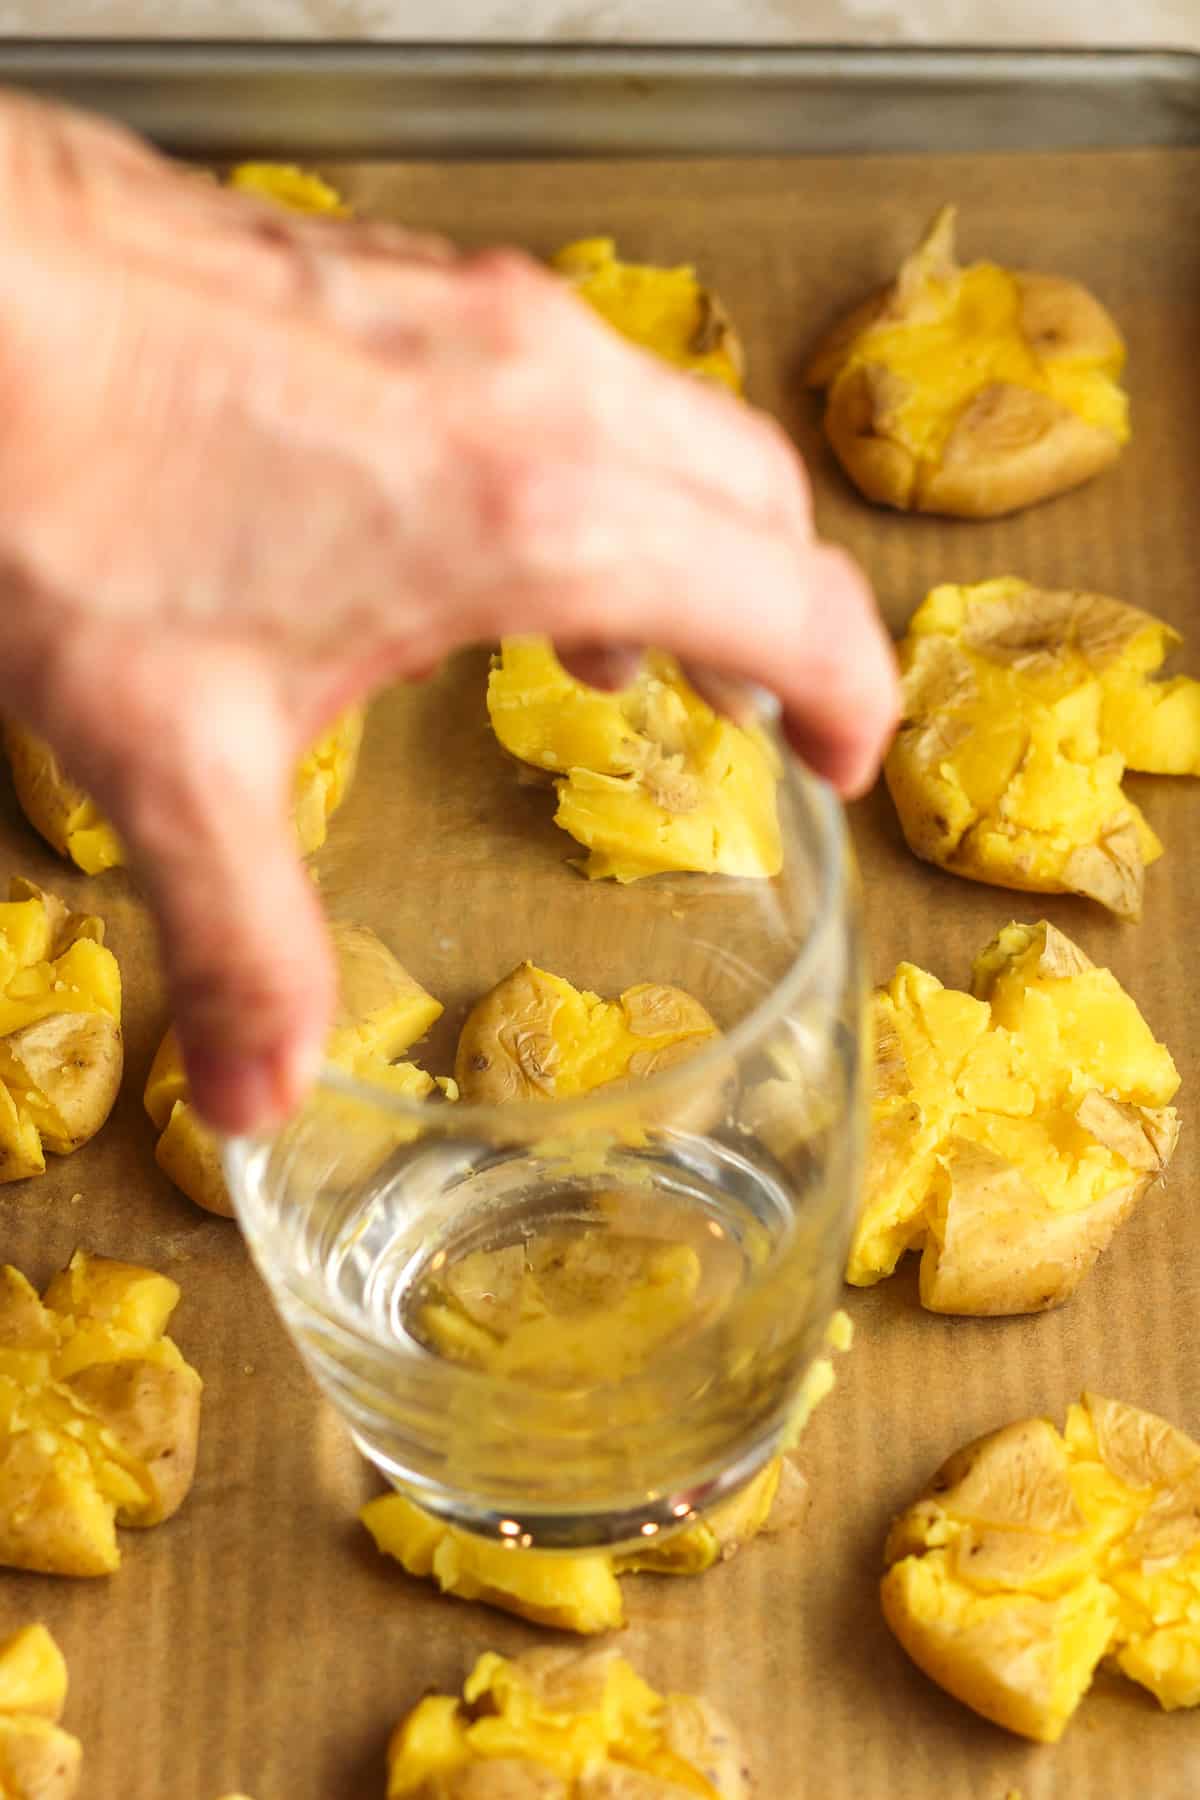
x,y
690,1227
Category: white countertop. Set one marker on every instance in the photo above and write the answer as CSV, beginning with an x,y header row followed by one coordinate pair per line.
x,y
1162,23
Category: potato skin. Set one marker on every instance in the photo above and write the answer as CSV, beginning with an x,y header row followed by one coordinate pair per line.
x,y
1009,442
154,1410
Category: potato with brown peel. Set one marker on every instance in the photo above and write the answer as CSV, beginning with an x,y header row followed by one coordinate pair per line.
x,y
38,1760
535,1037
972,392
1034,1556
1022,710
580,1591
381,1011
99,1414
61,1052
60,810
666,311
1013,1128
564,1725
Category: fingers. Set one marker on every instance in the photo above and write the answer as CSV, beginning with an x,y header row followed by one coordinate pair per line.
x,y
610,667
205,817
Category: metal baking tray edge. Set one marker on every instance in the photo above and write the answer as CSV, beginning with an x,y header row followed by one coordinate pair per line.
x,y
417,101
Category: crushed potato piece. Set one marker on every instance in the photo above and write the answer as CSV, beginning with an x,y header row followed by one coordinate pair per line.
x,y
563,1725
38,1760
534,1036
972,392
61,1052
1022,710
579,1591
99,1414
69,820
381,1012
663,310
1033,1556
1013,1128
649,780
299,190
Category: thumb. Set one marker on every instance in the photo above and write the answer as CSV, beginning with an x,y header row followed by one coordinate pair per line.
x,y
248,962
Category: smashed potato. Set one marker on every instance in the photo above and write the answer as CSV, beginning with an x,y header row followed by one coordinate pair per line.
x,y
297,189
38,1760
663,310
1022,710
972,392
381,1012
99,1414
61,1051
1013,1128
534,1036
71,824
579,1591
1033,1556
563,1725
649,780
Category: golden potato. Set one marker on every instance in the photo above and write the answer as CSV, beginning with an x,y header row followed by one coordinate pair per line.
x,y
1013,1128
1033,1556
38,1760
298,190
70,822
563,1725
650,780
972,392
99,1414
535,1037
61,1052
1022,710
663,310
381,1010
579,1591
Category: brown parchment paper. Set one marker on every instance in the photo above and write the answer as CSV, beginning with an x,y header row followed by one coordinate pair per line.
x,y
257,1642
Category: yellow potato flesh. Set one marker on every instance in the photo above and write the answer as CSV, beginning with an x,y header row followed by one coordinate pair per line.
x,y
579,1591
381,1011
1035,1555
662,310
573,1714
1023,711
66,1474
38,1761
1006,1070
60,1040
534,1036
649,780
299,190
33,1674
971,339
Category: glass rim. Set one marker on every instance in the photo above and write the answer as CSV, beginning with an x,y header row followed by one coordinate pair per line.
x,y
538,1118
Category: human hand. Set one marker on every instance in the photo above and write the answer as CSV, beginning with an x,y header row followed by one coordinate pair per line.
x,y
256,465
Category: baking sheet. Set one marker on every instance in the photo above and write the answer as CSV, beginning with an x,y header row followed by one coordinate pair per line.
x,y
257,1642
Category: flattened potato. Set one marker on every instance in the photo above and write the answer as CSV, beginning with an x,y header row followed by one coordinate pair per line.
x,y
535,1037
564,1725
60,810
580,1591
381,1011
38,1760
1022,710
1013,1129
650,780
99,1414
1033,1556
972,392
61,1052
666,311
